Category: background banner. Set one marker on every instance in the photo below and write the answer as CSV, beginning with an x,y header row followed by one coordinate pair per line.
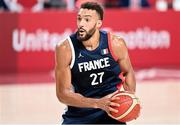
x,y
27,40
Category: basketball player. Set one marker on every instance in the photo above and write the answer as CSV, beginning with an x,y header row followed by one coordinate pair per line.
x,y
88,68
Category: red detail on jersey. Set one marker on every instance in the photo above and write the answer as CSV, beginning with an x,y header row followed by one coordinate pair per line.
x,y
122,77
118,86
123,80
110,47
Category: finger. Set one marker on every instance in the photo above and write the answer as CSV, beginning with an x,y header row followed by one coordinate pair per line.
x,y
111,116
115,98
114,93
114,104
113,110
108,96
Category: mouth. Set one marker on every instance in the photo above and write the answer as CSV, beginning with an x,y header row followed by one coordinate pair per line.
x,y
81,33
81,30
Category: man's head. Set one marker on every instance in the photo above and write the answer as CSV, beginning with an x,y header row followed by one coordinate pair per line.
x,y
89,19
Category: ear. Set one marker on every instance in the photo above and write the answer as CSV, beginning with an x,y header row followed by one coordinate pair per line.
x,y
99,23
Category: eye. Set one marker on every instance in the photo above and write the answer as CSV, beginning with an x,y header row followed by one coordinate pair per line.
x,y
87,20
79,19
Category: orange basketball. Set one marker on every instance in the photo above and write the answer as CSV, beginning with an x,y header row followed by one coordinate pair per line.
x,y
129,108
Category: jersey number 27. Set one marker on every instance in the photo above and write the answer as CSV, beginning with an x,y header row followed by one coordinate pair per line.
x,y
97,78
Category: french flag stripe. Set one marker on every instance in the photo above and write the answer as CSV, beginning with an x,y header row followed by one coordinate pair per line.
x,y
105,51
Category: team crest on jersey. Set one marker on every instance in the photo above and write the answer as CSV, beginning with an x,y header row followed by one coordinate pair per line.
x,y
104,51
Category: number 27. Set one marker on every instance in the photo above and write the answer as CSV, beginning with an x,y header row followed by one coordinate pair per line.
x,y
95,76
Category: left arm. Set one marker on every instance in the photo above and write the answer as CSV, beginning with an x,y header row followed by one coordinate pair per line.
x,y
121,52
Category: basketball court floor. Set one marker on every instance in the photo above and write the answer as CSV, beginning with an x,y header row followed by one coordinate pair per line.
x,y
25,102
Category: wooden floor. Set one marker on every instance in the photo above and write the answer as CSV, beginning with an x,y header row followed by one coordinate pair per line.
x,y
37,103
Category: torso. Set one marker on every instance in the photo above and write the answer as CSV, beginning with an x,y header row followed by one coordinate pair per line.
x,y
94,73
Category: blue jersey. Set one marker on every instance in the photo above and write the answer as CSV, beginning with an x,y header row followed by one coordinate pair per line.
x,y
95,74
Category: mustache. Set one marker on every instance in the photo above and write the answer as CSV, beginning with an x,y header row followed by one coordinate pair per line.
x,y
81,29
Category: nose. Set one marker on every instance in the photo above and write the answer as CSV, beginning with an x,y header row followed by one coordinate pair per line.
x,y
81,23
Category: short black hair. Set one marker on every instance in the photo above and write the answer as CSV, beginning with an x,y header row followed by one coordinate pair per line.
x,y
93,6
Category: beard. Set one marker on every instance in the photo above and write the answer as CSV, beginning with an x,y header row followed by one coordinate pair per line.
x,y
86,34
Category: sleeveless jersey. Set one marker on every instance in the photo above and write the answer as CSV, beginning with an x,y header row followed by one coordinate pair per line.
x,y
94,74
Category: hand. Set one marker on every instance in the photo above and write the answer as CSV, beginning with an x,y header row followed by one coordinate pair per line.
x,y
106,103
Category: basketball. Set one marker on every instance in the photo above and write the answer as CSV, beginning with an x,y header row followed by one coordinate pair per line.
x,y
129,108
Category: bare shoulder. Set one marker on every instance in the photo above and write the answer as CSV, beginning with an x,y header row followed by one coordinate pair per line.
x,y
63,46
117,41
63,52
118,46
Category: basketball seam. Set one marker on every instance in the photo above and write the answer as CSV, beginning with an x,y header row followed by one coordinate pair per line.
x,y
127,100
129,110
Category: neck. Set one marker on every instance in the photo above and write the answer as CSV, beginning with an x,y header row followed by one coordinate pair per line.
x,y
93,42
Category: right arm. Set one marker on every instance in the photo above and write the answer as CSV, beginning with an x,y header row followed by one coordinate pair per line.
x,y
64,87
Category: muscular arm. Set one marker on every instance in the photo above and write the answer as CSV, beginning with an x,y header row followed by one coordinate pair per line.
x,y
64,87
121,52
63,79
